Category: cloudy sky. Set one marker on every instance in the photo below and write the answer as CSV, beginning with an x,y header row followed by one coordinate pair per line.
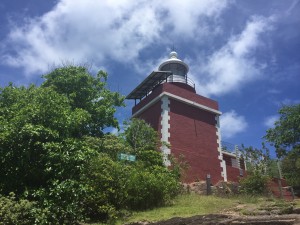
x,y
244,54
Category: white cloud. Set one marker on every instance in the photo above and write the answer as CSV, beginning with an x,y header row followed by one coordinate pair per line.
x,y
270,121
286,101
234,64
231,124
95,31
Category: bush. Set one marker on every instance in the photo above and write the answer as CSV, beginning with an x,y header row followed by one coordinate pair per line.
x,y
62,202
107,187
254,184
13,211
151,188
117,185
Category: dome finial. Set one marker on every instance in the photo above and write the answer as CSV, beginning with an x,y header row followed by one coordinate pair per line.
x,y
173,55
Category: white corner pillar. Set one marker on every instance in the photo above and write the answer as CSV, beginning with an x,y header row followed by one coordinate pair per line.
x,y
222,161
165,127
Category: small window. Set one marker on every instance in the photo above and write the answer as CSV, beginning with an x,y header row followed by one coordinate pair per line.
x,y
234,163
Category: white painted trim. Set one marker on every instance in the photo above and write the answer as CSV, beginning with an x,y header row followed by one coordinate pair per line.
x,y
189,102
229,153
165,127
237,153
220,157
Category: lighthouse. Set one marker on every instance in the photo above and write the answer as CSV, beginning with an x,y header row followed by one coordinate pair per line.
x,y
187,122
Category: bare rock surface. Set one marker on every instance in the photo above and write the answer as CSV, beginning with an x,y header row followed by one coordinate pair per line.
x,y
221,219
259,216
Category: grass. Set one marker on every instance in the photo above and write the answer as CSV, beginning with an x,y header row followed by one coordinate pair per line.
x,y
297,202
184,206
192,204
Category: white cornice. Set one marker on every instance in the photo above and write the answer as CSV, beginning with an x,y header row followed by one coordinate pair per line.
x,y
229,153
178,98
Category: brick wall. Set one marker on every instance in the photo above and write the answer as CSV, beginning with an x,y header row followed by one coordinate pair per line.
x,y
182,90
233,171
193,131
193,134
152,115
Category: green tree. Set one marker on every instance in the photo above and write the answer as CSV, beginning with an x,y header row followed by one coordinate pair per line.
x,y
258,162
43,149
285,136
140,135
35,124
291,167
89,93
54,153
255,183
256,159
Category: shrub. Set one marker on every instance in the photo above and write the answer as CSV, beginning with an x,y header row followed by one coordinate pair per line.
x,y
254,184
151,188
107,187
13,211
62,202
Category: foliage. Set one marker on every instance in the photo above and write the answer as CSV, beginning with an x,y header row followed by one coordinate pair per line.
x,y
140,135
254,183
34,130
13,211
109,144
258,163
179,166
150,158
107,187
291,167
256,159
272,169
115,185
88,93
151,188
285,136
59,163
61,201
42,148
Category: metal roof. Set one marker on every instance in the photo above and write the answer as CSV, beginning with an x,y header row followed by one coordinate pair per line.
x,y
144,88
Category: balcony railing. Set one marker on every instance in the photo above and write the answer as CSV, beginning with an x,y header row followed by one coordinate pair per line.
x,y
180,79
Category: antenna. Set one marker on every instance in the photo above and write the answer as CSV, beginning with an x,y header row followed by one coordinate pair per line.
x,y
173,47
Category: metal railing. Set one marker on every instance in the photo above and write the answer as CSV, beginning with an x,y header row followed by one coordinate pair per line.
x,y
229,147
181,79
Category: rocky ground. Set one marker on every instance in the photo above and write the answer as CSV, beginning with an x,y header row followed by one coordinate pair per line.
x,y
218,219
269,213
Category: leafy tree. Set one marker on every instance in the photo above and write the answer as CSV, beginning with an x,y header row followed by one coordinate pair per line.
x,y
42,147
285,136
255,183
258,162
89,93
16,211
54,153
291,167
140,135
35,124
109,144
107,187
151,187
256,159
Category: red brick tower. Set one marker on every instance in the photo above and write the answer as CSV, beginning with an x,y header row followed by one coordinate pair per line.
x,y
187,121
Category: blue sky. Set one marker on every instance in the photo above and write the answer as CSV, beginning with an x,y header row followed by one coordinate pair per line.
x,y
244,54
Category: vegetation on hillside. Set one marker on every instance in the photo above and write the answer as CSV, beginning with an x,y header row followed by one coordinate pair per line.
x,y
58,166
285,137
